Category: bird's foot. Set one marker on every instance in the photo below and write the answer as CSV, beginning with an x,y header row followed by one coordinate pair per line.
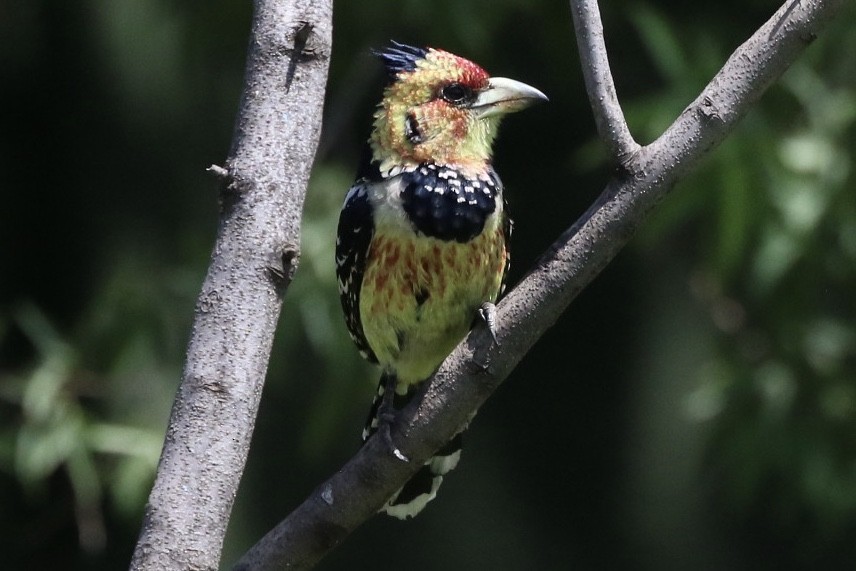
x,y
487,313
386,415
487,318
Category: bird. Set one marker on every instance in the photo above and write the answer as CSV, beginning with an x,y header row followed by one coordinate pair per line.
x,y
422,239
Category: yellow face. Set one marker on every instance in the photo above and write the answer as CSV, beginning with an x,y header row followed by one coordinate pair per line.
x,y
446,110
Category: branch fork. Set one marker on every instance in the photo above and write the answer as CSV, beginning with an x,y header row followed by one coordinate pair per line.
x,y
180,507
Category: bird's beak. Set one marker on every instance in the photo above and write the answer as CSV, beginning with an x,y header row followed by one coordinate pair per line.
x,y
505,95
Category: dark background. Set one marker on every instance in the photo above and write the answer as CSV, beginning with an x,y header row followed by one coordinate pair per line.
x,y
694,408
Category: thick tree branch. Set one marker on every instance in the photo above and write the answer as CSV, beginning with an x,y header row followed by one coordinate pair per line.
x,y
460,386
236,313
608,116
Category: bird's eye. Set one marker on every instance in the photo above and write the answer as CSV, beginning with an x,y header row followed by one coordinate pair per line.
x,y
456,93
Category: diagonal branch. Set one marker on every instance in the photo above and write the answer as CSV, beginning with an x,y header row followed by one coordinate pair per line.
x,y
460,387
608,116
236,313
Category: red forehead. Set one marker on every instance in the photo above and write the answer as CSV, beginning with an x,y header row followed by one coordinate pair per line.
x,y
466,72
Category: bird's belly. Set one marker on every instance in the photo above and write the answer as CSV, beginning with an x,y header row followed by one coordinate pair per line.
x,y
420,295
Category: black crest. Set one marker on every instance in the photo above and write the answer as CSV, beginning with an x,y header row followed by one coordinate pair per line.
x,y
400,57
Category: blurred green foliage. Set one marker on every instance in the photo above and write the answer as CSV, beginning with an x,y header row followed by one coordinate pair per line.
x,y
696,407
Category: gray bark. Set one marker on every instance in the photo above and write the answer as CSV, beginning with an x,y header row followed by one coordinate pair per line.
x,y
254,258
475,369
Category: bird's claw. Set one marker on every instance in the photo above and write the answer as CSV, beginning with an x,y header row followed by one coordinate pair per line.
x,y
386,435
385,417
487,315
487,312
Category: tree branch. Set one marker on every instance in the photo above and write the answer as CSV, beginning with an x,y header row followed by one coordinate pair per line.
x,y
254,257
608,116
460,387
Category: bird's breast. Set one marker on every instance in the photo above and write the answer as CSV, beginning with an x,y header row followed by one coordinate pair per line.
x,y
420,294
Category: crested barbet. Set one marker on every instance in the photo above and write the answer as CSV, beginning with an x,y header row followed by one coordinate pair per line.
x,y
422,242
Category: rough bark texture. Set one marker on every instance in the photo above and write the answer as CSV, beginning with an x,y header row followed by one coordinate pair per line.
x,y
600,85
255,255
478,366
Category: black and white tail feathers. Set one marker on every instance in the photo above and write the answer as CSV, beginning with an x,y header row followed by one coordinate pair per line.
x,y
422,487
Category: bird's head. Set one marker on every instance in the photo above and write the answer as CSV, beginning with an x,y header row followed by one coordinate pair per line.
x,y
441,108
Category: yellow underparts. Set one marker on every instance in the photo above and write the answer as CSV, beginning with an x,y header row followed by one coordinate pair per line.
x,y
420,295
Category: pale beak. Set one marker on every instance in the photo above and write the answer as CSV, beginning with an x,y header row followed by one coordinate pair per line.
x,y
505,95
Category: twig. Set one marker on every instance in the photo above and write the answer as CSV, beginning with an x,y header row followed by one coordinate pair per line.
x,y
237,310
608,116
459,388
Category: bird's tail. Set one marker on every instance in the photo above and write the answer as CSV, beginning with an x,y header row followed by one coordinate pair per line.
x,y
422,487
